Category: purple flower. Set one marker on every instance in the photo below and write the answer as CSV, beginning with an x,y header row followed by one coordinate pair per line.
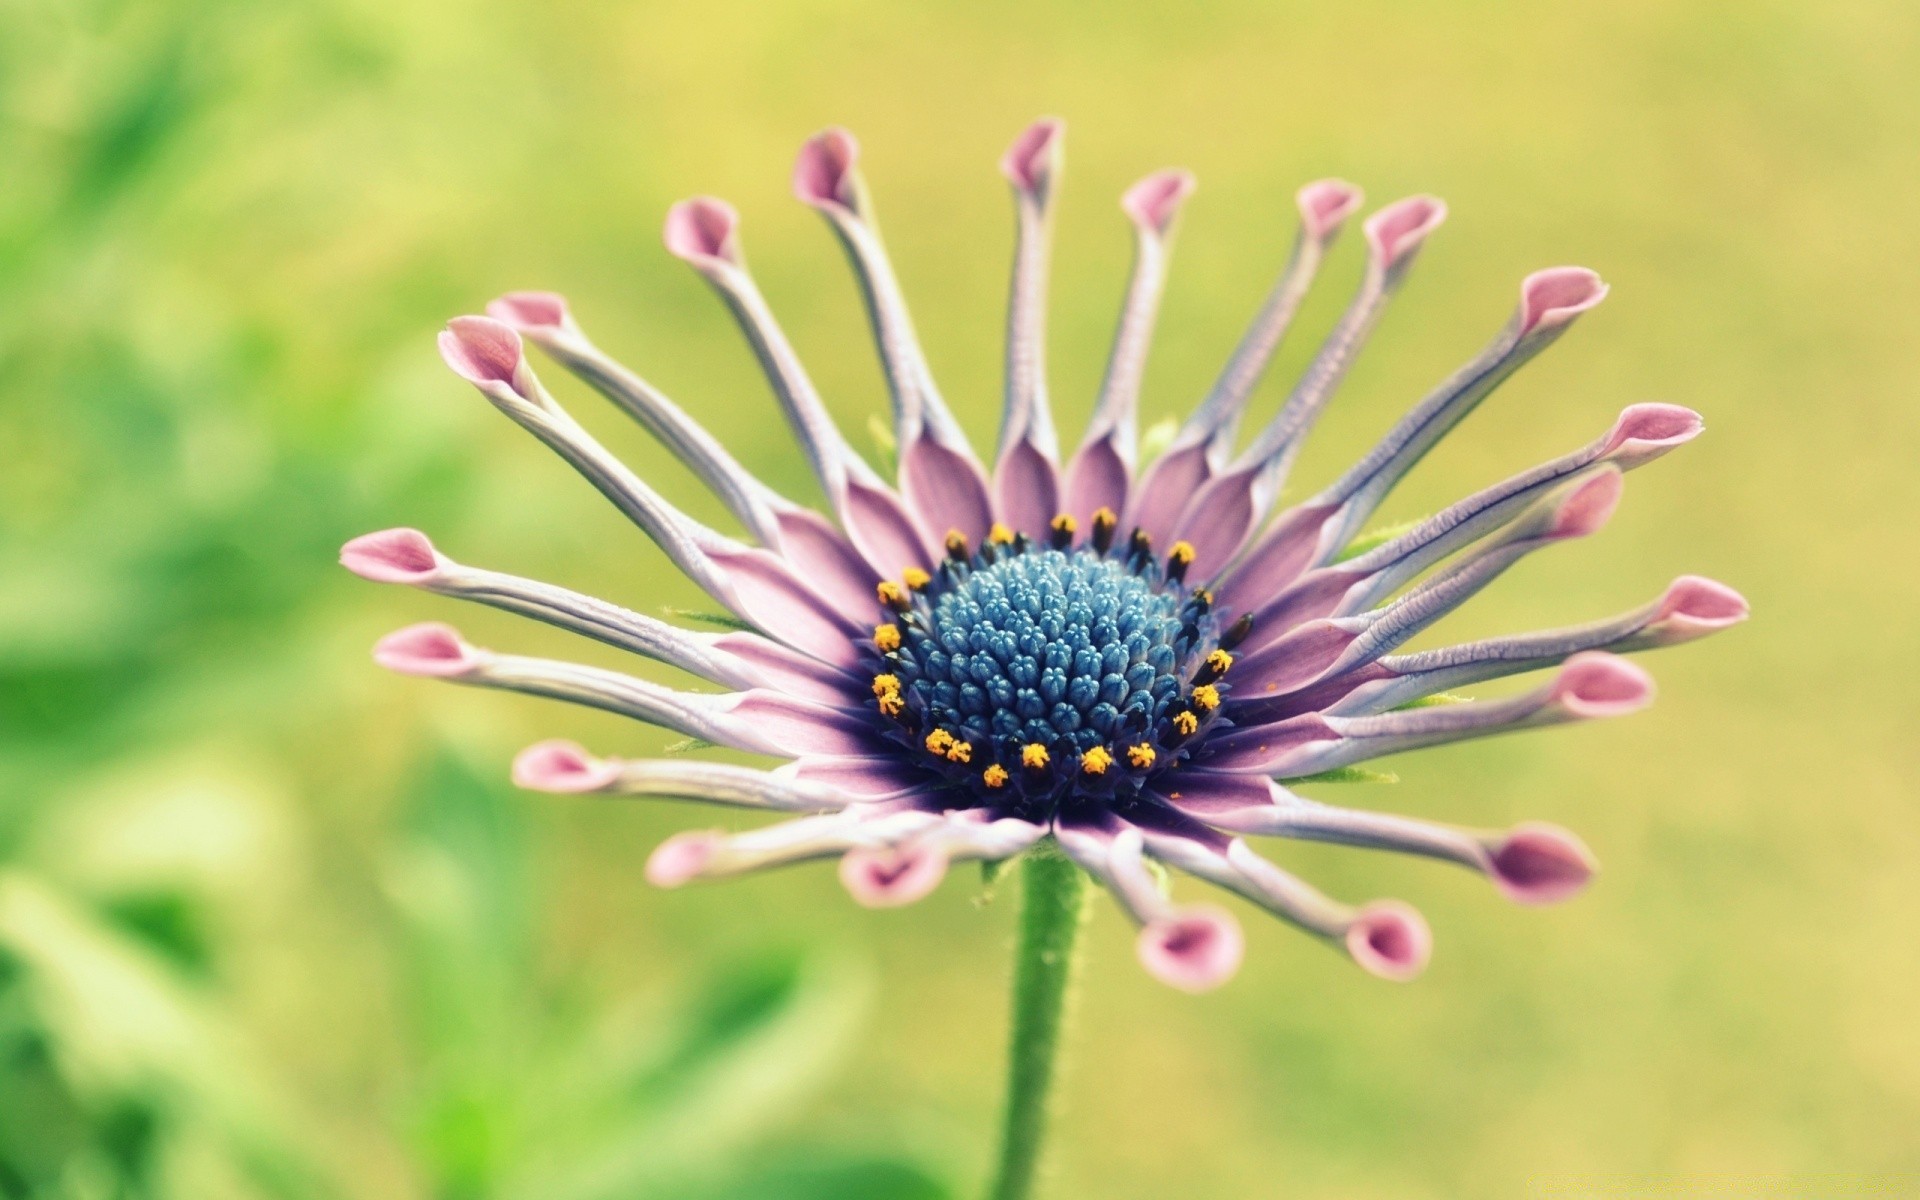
x,y
1132,661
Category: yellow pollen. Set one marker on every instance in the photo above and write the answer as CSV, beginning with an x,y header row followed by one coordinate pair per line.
x,y
1140,755
1104,516
939,742
1096,761
960,752
890,594
956,543
1000,535
1182,553
892,704
887,638
995,776
1033,755
1186,723
1219,661
1064,523
916,578
885,684
1203,596
1206,697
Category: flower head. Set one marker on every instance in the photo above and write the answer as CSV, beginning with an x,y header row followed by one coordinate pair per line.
x,y
1132,660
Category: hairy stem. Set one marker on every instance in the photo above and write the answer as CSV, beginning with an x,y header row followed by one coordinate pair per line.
x,y
1054,896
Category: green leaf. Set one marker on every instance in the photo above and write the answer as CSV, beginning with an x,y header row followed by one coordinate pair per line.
x,y
685,745
1347,775
886,448
1373,538
1155,438
721,620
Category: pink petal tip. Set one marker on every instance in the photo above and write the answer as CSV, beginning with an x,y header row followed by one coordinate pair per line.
x,y
529,311
1588,505
1646,430
703,230
890,876
1701,604
1153,202
1030,163
1538,863
1397,230
481,350
392,556
1391,940
1555,296
682,857
561,766
1196,949
1325,206
431,649
1598,684
820,174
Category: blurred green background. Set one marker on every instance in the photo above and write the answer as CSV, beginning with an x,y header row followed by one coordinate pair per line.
x,y
271,922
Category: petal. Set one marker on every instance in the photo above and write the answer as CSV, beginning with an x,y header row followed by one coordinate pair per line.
x,y
945,490
890,876
429,649
1390,940
797,727
392,556
1026,490
1194,949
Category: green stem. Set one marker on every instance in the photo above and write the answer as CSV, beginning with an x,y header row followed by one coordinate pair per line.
x,y
1054,896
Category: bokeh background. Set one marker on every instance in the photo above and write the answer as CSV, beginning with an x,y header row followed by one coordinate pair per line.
x,y
272,924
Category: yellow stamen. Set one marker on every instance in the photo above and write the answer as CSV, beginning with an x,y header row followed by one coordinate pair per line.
x,y
1181,553
883,684
893,704
1186,723
1203,596
1140,755
886,638
916,578
1219,661
956,544
960,752
1033,755
891,595
995,776
1206,697
1104,517
1096,761
939,742
1000,535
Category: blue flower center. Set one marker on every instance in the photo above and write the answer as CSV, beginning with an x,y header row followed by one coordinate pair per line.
x,y
1031,676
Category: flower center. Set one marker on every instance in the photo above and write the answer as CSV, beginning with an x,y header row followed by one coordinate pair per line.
x,y
1029,675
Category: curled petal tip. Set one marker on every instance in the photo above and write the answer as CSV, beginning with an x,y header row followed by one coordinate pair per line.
x,y
1397,230
1325,206
1588,505
482,350
702,230
528,311
821,175
681,857
890,876
1153,202
1391,940
1196,949
392,556
1555,296
1538,863
1648,429
430,649
1702,604
561,766
1598,684
1030,163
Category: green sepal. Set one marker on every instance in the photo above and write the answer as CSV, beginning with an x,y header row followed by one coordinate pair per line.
x,y
685,745
1373,538
1347,775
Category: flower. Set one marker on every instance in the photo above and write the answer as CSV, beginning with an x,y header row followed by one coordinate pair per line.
x,y
1131,660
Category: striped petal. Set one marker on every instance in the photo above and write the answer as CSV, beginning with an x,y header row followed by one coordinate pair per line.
x,y
1026,485
566,767
1205,441
1312,532
1098,476
1218,518
1195,948
1588,686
